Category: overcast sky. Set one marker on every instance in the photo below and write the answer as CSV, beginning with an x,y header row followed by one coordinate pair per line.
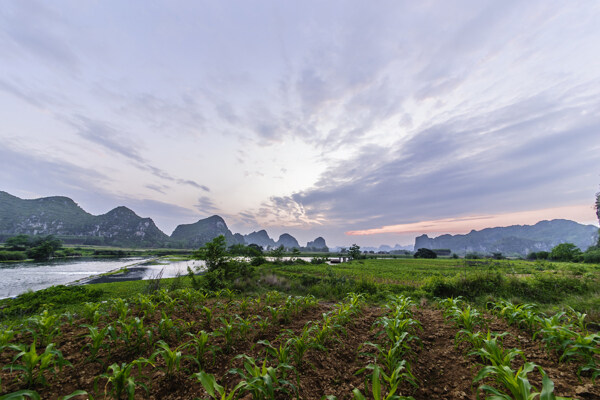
x,y
364,122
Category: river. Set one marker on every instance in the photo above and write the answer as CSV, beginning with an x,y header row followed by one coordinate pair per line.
x,y
17,278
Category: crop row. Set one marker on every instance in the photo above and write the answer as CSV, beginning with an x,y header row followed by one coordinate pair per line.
x,y
496,360
113,329
565,332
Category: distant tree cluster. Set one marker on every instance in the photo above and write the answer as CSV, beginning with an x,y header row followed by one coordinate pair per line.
x,y
425,253
36,247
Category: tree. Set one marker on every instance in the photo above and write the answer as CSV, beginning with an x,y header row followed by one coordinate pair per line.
x,y
278,253
566,252
425,253
18,243
295,253
44,247
354,251
214,253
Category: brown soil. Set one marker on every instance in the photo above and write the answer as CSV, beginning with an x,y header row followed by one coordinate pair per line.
x,y
442,371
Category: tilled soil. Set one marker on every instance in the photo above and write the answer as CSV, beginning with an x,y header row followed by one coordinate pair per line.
x,y
442,371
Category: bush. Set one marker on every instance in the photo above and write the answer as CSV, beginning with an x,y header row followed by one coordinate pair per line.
x,y
592,256
12,256
34,302
472,256
425,253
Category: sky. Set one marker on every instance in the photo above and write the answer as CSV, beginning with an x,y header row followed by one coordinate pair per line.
x,y
365,122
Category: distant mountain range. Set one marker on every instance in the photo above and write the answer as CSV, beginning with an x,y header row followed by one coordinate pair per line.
x,y
62,217
516,239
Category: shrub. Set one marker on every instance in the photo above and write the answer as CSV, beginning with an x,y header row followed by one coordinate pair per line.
x,y
12,256
425,253
566,252
592,256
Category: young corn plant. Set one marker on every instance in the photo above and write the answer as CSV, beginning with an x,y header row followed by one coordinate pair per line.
x,y
120,381
33,366
272,297
6,336
282,353
228,331
92,312
514,385
327,331
167,326
394,327
120,307
476,339
262,323
200,346
261,381
274,312
244,305
493,353
243,325
208,316
383,386
171,357
44,327
393,355
468,318
97,342
33,395
215,390
578,319
301,344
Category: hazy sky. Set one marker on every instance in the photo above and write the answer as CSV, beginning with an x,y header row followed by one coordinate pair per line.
x,y
383,119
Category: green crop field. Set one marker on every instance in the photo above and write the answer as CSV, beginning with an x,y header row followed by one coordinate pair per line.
x,y
376,328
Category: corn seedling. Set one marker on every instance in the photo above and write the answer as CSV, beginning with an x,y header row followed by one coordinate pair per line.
x,y
578,319
208,316
467,318
262,323
171,357
120,381
215,390
33,395
120,307
33,366
261,381
227,330
91,312
383,387
44,327
301,344
6,336
393,355
243,325
493,353
97,338
200,346
281,353
514,385
476,339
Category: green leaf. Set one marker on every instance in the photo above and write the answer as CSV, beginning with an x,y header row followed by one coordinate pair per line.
x,y
21,395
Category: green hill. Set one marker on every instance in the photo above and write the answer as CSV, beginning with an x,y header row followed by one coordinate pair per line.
x,y
62,217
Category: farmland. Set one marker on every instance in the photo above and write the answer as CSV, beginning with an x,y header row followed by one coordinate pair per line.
x,y
373,329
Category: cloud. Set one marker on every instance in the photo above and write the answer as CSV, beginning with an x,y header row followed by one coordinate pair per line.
x,y
538,158
38,32
206,206
580,212
113,140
